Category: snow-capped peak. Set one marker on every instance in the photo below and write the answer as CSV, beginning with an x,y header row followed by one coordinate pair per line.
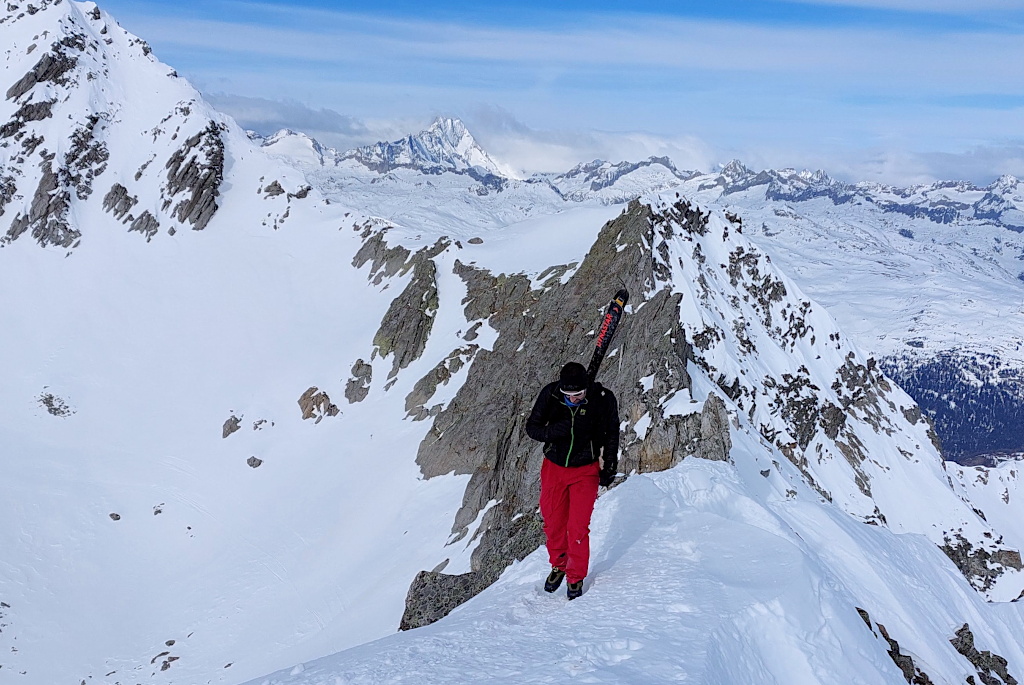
x,y
446,145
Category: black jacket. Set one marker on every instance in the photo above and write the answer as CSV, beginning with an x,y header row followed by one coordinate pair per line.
x,y
577,436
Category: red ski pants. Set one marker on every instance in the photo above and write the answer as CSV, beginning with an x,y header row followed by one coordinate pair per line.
x,y
567,496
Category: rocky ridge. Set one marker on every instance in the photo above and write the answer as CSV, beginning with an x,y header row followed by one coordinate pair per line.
x,y
706,301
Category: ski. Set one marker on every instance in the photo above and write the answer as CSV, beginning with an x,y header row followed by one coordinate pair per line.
x,y
604,334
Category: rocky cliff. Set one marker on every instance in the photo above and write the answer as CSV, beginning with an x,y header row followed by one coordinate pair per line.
x,y
714,339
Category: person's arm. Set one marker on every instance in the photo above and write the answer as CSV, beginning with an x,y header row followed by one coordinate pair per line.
x,y
538,427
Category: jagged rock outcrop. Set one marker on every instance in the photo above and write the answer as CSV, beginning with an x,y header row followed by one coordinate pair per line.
x,y
119,202
407,324
905,662
7,190
481,432
979,565
232,424
358,386
51,67
315,403
47,215
196,170
992,669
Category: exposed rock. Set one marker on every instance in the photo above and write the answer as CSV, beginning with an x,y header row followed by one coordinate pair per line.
x,y
407,324
115,517
7,190
433,595
273,189
985,662
389,261
196,170
33,111
47,217
51,67
316,404
254,462
55,406
118,201
84,160
146,224
979,565
481,431
231,425
904,662
358,386
440,375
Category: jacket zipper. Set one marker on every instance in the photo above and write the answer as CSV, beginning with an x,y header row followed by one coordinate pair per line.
x,y
572,434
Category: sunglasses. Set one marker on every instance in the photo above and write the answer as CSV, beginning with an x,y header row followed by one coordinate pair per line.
x,y
574,394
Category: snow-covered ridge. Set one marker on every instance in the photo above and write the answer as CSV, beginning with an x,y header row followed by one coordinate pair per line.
x,y
95,124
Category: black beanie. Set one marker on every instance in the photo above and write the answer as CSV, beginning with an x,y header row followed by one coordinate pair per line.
x,y
573,377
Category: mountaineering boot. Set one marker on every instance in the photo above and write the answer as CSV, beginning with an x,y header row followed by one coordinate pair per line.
x,y
574,590
554,579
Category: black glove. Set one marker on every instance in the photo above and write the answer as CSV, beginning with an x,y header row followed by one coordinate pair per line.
x,y
557,430
607,477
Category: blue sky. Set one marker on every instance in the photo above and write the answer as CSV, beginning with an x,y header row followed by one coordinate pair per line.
x,y
899,91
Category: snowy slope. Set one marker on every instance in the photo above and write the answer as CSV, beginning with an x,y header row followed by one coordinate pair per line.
x,y
707,573
138,537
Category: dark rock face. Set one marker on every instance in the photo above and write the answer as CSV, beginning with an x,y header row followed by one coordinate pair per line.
x,y
992,669
979,565
85,159
196,171
904,662
405,328
33,111
358,386
231,425
47,216
315,403
51,67
7,190
481,432
119,202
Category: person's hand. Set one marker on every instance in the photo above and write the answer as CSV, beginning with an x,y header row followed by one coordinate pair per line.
x,y
558,430
606,478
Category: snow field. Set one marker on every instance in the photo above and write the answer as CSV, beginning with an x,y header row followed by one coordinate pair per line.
x,y
707,573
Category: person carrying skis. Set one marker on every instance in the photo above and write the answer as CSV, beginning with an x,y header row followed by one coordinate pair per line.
x,y
577,419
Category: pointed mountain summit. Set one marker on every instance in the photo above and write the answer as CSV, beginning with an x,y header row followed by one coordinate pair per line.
x,y
446,145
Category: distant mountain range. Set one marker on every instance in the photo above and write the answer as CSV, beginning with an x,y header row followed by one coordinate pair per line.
x,y
929,278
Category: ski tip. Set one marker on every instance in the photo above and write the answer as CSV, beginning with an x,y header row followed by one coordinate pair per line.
x,y
622,297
